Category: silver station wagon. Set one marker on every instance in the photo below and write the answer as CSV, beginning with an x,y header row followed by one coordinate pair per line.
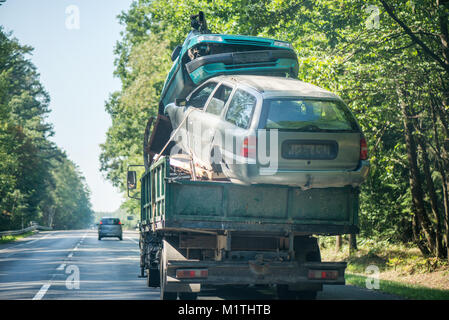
x,y
271,130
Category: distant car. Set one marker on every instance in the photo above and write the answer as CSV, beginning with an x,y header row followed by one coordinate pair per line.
x,y
110,227
319,142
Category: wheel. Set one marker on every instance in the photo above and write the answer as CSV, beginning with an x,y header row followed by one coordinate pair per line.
x,y
306,295
99,238
284,293
163,280
188,295
153,278
120,238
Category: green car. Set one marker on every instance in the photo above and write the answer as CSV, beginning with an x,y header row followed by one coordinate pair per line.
x,y
203,56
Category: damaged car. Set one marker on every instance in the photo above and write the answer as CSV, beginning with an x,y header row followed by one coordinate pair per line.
x,y
204,55
271,130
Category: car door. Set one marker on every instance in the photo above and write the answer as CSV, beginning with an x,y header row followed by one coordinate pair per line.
x,y
195,103
236,128
212,121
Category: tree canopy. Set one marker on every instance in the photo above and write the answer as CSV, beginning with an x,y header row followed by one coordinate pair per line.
x,y
37,180
389,60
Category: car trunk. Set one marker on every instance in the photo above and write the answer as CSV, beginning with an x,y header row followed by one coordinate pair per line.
x,y
317,150
312,134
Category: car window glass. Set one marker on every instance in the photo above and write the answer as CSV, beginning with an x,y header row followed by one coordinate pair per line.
x,y
241,109
110,221
219,100
199,98
308,115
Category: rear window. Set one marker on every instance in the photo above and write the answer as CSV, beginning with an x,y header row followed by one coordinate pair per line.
x,y
308,115
110,221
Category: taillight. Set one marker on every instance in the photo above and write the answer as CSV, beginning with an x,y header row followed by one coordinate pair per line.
x,y
363,149
119,222
323,274
249,147
101,222
191,273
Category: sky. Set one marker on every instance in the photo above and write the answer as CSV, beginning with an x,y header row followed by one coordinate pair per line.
x,y
73,52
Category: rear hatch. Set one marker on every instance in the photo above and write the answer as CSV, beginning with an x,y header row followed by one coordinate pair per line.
x,y
110,225
313,134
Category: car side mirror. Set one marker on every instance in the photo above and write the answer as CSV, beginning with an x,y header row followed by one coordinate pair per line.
x,y
176,53
132,180
181,102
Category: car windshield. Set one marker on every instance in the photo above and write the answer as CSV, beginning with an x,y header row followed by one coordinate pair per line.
x,y
110,221
309,115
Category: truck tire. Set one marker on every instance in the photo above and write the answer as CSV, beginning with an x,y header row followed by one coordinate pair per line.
x,y
306,295
163,280
188,296
284,293
153,278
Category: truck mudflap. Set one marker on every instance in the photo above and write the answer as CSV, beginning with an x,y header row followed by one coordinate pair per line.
x,y
306,275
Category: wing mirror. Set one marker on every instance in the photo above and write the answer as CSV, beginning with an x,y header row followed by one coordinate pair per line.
x,y
132,180
176,53
181,102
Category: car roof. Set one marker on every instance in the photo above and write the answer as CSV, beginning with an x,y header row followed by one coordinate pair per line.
x,y
270,86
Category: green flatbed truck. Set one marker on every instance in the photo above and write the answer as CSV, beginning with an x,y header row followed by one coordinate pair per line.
x,y
211,233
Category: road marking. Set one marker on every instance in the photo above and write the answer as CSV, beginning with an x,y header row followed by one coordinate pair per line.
x,y
42,291
70,255
132,240
61,267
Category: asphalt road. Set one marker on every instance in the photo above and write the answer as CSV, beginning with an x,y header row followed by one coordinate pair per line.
x,y
47,265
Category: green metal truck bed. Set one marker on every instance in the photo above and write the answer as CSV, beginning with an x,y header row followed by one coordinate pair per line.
x,y
169,203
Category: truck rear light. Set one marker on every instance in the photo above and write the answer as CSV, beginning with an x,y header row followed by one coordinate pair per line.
x,y
323,274
363,149
191,273
249,147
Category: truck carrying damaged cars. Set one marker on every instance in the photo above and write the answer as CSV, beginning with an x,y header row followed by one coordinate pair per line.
x,y
244,167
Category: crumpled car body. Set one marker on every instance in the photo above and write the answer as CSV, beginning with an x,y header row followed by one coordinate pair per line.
x,y
271,130
203,56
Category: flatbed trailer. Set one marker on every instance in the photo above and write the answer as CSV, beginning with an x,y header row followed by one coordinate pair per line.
x,y
212,233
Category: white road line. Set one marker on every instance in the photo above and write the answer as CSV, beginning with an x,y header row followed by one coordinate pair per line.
x,y
70,255
42,291
61,267
132,240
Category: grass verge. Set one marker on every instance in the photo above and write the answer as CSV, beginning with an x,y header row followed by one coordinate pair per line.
x,y
401,289
7,239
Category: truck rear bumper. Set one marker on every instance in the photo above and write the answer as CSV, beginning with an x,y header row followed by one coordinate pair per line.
x,y
252,272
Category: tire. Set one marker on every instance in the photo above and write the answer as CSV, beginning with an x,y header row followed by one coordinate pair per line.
x,y
163,280
306,295
188,295
99,238
284,293
120,238
153,278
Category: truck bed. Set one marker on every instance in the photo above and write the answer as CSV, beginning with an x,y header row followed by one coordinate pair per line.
x,y
173,203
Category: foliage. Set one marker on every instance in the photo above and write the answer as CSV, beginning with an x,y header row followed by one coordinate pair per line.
x,y
36,178
393,74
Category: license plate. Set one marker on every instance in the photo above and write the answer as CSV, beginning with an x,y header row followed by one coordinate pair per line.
x,y
309,150
239,58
